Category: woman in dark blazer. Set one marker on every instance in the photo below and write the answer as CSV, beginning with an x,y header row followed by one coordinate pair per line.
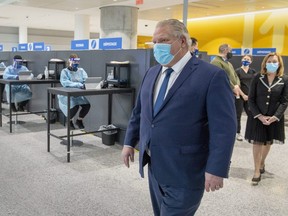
x,y
268,100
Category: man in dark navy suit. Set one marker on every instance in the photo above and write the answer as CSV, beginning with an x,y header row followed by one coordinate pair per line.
x,y
185,122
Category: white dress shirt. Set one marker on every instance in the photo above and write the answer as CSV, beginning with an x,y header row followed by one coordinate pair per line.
x,y
177,68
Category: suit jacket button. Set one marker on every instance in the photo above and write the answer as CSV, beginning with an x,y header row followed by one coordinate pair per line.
x,y
268,96
152,125
267,103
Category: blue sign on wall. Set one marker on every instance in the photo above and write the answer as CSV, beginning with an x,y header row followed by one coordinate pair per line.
x,y
23,47
110,43
263,51
79,44
236,52
14,49
38,46
1,47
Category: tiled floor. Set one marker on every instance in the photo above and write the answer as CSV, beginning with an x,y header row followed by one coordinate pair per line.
x,y
35,182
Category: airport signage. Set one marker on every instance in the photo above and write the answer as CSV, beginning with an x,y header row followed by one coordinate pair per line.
x,y
79,44
263,51
14,49
96,44
110,43
1,47
38,46
23,47
236,52
48,48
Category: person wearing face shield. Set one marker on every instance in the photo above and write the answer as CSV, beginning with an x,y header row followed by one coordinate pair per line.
x,y
268,100
74,77
184,123
245,74
194,47
21,94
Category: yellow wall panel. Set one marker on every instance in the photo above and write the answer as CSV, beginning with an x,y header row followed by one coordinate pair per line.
x,y
261,30
265,30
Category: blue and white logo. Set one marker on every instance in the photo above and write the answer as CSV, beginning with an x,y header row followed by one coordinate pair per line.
x,y
48,48
14,49
246,51
93,44
1,47
30,46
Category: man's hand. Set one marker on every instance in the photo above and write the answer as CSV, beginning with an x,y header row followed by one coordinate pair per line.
x,y
127,153
213,182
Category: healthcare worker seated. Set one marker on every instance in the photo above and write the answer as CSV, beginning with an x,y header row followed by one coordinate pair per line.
x,y
21,93
74,77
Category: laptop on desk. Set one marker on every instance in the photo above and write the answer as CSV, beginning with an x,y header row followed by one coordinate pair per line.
x,y
93,83
25,75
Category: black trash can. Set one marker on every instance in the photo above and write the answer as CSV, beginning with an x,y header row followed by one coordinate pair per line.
x,y
109,136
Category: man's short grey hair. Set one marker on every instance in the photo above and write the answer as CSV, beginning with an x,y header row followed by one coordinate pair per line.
x,y
179,29
223,48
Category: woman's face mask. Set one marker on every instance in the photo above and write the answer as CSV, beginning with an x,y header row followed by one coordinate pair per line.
x,y
246,63
272,67
162,53
17,64
74,63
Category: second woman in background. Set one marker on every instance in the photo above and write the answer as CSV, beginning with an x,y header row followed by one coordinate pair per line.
x,y
74,77
268,100
245,74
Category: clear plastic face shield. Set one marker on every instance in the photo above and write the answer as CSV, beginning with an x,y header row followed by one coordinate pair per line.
x,y
74,63
17,63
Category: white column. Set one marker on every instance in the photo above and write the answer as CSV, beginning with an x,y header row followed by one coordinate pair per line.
x,y
81,27
120,21
23,34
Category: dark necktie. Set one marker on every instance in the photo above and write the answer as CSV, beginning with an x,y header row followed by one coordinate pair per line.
x,y
162,91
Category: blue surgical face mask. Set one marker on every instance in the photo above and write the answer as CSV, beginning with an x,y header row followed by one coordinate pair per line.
x,y
246,63
74,62
272,67
75,66
17,64
162,53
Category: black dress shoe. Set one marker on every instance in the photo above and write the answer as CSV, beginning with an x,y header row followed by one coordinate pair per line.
x,y
21,108
79,123
13,107
256,180
72,127
262,170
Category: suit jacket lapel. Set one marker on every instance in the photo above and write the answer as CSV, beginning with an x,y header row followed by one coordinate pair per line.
x,y
188,69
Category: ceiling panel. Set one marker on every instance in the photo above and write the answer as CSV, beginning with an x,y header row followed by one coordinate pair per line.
x,y
59,14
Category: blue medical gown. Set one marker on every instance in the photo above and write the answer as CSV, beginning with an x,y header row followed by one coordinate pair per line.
x,y
20,92
72,79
